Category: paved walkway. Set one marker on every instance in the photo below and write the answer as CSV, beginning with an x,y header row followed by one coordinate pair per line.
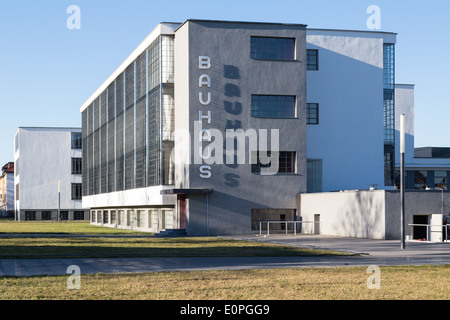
x,y
372,252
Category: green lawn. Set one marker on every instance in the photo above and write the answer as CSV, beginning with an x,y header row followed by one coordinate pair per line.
x,y
79,241
345,283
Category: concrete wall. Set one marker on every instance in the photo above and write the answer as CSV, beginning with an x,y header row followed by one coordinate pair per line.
x,y
416,203
358,214
349,90
372,214
234,78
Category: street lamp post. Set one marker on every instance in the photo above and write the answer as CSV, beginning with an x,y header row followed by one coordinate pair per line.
x,y
402,178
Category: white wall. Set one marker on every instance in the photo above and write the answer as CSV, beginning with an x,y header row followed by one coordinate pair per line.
x,y
349,89
359,214
150,196
44,157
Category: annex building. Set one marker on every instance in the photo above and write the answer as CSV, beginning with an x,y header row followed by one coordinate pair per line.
x,y
215,126
47,174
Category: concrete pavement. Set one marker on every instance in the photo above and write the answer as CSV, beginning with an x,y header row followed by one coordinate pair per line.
x,y
372,252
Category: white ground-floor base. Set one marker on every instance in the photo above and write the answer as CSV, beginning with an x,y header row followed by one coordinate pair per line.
x,y
146,219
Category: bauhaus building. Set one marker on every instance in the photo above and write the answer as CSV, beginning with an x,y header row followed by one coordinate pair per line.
x,y
215,126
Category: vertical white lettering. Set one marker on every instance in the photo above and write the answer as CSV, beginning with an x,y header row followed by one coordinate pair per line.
x,y
204,62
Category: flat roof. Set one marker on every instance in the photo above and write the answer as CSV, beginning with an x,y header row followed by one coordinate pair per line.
x,y
348,30
242,22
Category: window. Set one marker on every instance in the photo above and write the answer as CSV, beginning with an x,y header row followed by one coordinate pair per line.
x,y
314,175
286,162
46,215
312,113
93,216
267,48
77,165
76,191
105,216
78,215
420,179
64,215
113,216
30,215
76,140
261,216
312,59
271,106
440,179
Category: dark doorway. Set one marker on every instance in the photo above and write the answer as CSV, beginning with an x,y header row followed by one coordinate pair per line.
x,y
420,232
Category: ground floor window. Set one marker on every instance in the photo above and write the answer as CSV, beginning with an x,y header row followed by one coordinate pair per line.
x,y
260,217
78,215
30,215
64,215
46,215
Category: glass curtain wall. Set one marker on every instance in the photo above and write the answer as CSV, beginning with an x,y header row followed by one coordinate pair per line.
x,y
127,130
389,112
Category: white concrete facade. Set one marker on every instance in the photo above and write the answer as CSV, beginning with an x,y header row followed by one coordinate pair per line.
x,y
348,86
42,157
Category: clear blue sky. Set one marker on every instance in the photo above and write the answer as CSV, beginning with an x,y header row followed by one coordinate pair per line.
x,y
48,71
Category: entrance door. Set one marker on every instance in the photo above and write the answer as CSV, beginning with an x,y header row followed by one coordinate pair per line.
x,y
317,224
420,232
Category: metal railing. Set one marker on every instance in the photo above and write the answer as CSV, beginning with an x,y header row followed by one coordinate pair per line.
x,y
428,226
286,223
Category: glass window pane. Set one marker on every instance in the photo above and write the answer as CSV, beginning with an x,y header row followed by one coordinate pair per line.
x,y
271,106
272,48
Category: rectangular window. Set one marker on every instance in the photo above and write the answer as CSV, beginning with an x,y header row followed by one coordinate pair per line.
x,y
105,216
30,215
314,175
286,162
420,179
312,59
440,179
77,166
46,215
113,217
267,48
93,216
312,113
76,191
64,215
260,217
272,106
78,215
76,140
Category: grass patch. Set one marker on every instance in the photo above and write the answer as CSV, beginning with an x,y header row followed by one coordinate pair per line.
x,y
349,283
144,247
49,227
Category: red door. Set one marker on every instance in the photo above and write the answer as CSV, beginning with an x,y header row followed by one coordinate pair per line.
x,y
182,210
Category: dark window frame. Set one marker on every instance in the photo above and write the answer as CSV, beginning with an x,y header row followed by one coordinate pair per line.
x,y
76,140
77,165
309,118
77,191
262,106
312,66
287,163
268,51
